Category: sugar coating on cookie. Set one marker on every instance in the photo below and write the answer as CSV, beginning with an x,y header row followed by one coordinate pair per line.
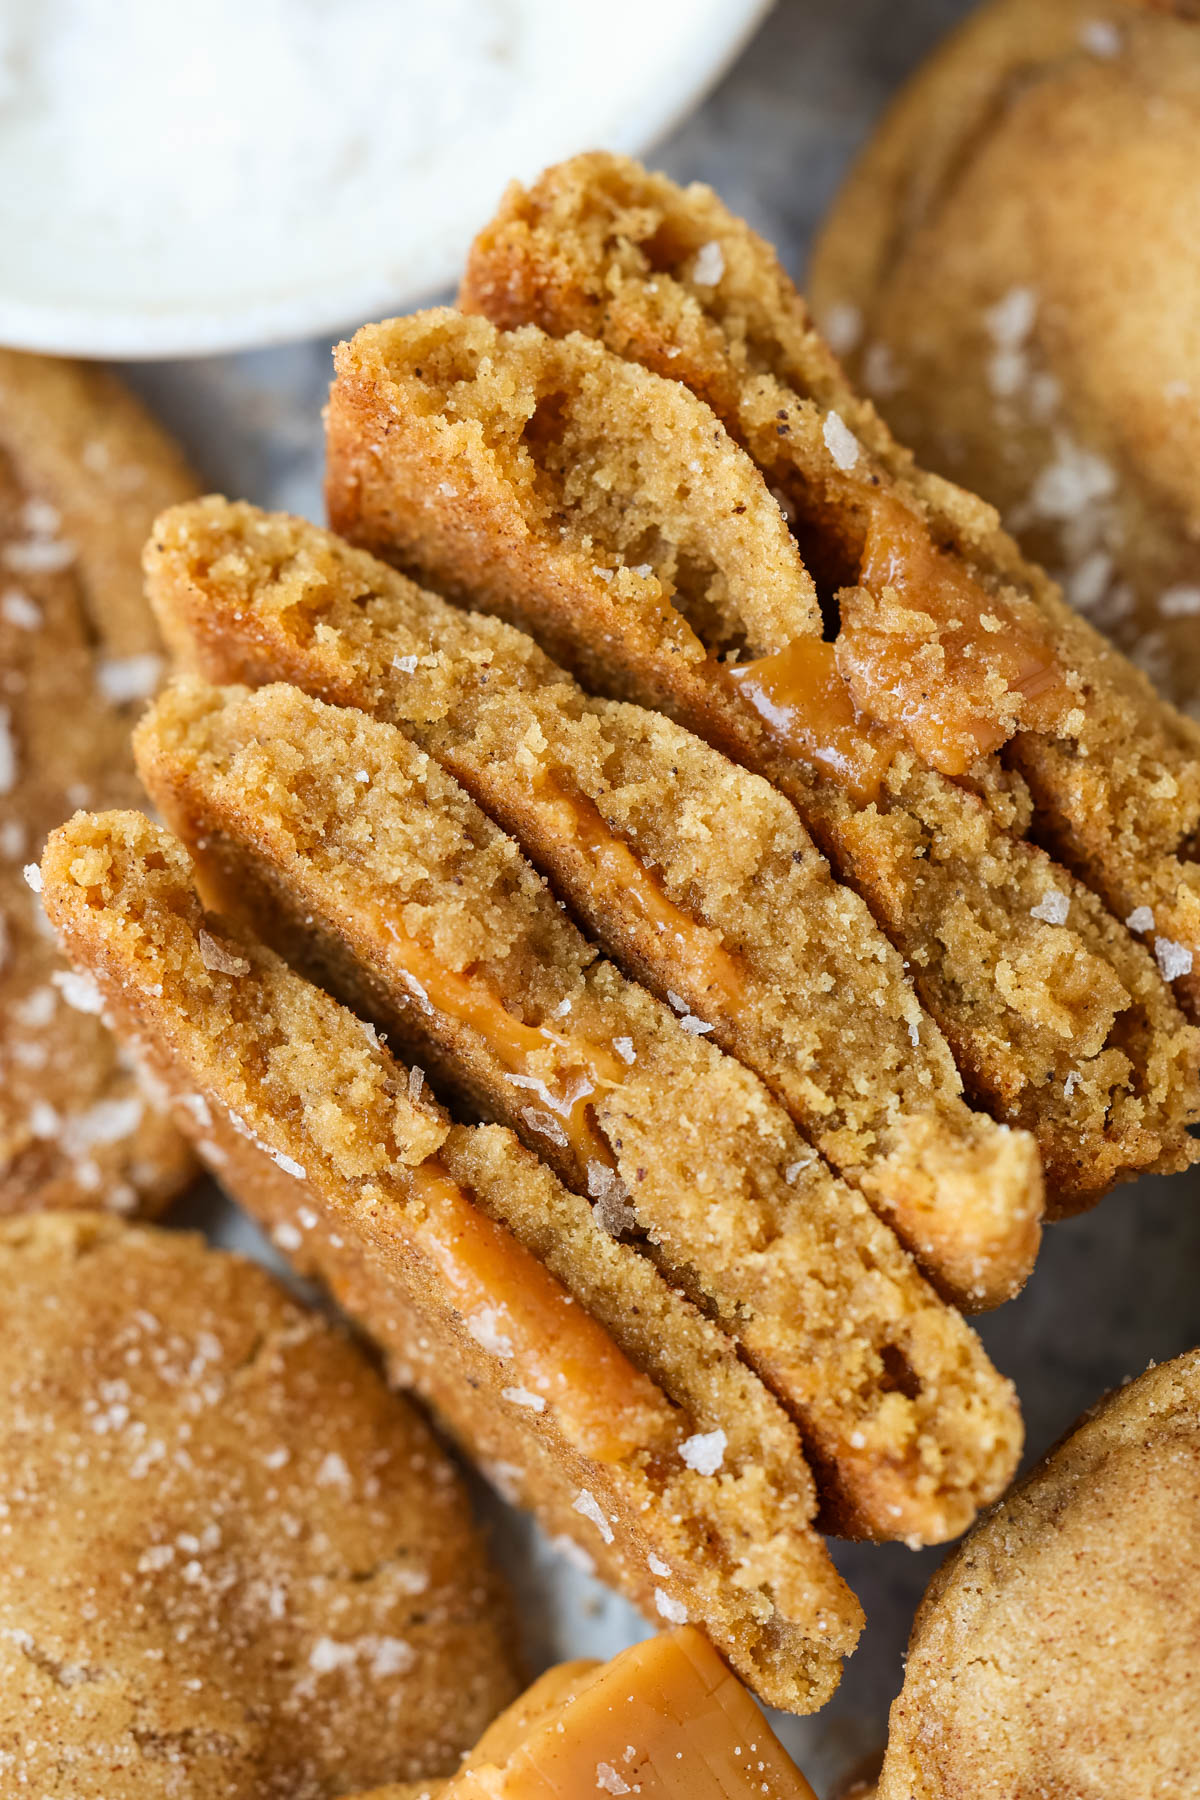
x,y
234,1563
695,875
560,1357
82,473
1055,1651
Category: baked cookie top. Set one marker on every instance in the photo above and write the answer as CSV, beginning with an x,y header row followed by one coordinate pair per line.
x,y
1055,1650
234,1563
83,472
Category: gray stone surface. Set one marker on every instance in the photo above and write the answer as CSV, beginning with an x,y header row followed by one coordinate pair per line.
x,y
1112,1290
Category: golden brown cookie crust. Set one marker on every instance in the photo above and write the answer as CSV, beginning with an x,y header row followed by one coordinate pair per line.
x,y
83,471
1055,1650
235,1565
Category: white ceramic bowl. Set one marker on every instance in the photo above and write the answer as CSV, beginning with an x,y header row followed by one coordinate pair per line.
x,y
198,178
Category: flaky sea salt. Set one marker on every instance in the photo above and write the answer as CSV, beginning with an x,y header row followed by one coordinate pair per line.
x,y
709,265
842,325
519,1396
840,441
608,1781
704,1451
1140,919
79,991
657,1566
1179,602
124,678
586,1504
1173,959
696,1027
33,877
20,610
484,1326
624,1049
1010,320
673,1611
286,1236
217,957
1054,907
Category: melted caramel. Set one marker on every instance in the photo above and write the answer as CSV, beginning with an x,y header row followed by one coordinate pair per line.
x,y
665,1720
518,1309
951,710
582,1068
710,967
808,709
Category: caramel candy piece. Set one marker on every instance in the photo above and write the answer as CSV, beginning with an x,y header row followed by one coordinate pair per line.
x,y
605,1407
806,704
664,1721
926,649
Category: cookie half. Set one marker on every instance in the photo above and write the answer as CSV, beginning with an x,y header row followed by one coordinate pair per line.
x,y
234,1562
363,863
606,509
944,630
82,473
697,877
1055,1650
560,1357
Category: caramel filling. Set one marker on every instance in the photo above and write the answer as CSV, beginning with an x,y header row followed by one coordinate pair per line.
x,y
800,695
710,967
516,1309
665,1720
955,669
564,1110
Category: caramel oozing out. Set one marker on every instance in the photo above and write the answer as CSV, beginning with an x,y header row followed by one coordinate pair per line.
x,y
583,1068
801,697
580,821
523,1313
665,1720
949,718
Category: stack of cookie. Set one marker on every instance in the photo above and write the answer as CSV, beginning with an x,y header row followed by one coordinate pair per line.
x,y
652,916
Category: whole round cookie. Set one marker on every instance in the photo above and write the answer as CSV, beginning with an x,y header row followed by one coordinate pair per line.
x,y
1013,273
1054,1655
235,1566
83,472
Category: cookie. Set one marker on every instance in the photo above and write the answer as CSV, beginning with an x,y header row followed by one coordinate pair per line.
x,y
1055,1650
1059,1021
664,1720
234,1564
82,473
1109,772
696,876
1036,339
561,1358
363,863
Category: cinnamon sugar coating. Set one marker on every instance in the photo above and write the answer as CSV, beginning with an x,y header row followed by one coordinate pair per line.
x,y
235,1565
500,467
1055,1650
821,1006
82,473
307,1118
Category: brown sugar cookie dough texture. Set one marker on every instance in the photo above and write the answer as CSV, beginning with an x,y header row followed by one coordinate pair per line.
x,y
579,1378
82,473
235,1566
365,865
992,656
606,508
1037,339
1055,1651
697,877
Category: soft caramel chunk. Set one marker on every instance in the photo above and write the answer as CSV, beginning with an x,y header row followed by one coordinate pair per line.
x,y
806,705
926,650
664,1721
618,866
516,1308
583,1068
